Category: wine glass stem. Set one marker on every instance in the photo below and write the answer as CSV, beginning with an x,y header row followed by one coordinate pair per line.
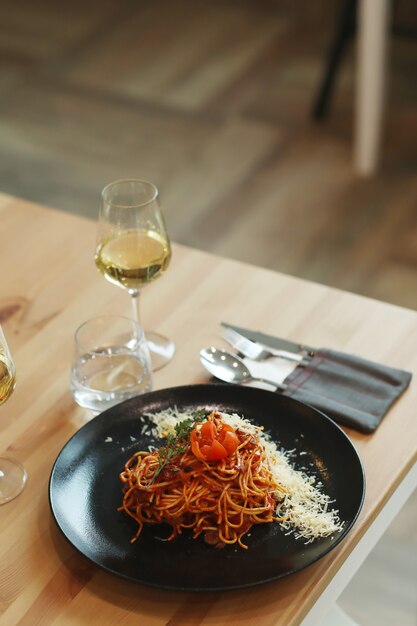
x,y
135,306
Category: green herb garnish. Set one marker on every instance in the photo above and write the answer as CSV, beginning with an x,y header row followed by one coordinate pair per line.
x,y
176,444
199,415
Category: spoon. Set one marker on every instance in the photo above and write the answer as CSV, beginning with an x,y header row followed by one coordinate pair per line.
x,y
229,367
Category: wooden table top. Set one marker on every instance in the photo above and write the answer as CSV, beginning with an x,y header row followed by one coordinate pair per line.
x,y
49,285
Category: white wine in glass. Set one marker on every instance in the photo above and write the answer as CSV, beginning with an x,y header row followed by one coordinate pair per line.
x,y
12,473
133,248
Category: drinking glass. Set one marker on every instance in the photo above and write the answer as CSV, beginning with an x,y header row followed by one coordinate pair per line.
x,y
111,362
133,248
13,475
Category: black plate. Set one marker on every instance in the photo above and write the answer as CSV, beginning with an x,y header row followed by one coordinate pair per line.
x,y
85,492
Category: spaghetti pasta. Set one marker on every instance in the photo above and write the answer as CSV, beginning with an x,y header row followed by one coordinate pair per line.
x,y
215,480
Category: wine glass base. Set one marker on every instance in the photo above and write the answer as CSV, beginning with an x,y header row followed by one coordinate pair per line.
x,y
161,348
13,478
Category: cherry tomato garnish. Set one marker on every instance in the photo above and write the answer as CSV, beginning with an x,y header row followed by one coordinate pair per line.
x,y
208,445
215,452
230,442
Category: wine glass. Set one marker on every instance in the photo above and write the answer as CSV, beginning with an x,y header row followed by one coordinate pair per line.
x,y
13,475
133,248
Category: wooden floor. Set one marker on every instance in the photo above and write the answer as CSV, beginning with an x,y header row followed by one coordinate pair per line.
x,y
211,101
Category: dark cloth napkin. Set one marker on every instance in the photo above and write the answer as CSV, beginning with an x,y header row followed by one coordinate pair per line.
x,y
351,390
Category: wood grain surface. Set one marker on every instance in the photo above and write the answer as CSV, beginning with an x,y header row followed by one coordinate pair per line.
x,y
49,286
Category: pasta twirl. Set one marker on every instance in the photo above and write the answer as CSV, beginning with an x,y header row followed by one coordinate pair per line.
x,y
218,483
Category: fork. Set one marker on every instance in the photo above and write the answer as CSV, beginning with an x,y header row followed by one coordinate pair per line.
x,y
257,351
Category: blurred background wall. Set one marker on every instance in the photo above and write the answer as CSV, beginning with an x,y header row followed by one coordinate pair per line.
x,y
212,102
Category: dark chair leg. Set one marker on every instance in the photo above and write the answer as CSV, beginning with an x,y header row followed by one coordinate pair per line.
x,y
345,29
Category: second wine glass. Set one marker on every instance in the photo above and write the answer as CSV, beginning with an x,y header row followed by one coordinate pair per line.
x,y
13,475
133,248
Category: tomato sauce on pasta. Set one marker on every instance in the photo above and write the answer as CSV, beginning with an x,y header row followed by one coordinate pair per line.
x,y
216,481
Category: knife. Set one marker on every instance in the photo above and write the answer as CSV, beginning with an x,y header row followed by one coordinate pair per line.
x,y
270,341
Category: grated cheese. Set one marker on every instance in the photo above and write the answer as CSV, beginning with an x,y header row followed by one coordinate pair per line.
x,y
307,509
165,421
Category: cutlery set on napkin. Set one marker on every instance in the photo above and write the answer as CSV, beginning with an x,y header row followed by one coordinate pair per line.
x,y
351,390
